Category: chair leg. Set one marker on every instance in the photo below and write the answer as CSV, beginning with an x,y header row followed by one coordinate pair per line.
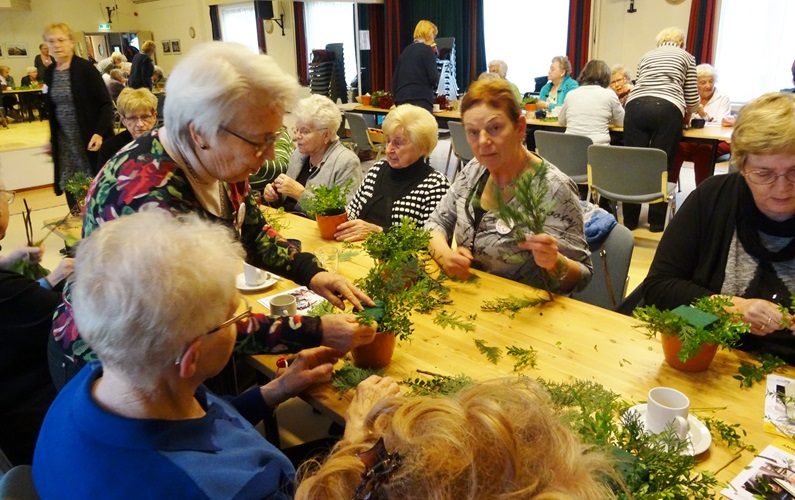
x,y
449,155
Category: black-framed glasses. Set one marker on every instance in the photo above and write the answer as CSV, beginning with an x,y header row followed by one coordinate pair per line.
x,y
238,317
765,177
10,195
259,148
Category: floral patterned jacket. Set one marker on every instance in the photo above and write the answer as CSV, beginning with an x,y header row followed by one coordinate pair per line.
x,y
143,176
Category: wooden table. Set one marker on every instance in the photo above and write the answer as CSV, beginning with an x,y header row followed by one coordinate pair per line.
x,y
574,340
25,99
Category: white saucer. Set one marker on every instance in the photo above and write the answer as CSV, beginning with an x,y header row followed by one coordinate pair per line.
x,y
240,282
698,437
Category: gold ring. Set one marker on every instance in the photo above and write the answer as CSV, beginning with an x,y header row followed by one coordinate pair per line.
x,y
769,319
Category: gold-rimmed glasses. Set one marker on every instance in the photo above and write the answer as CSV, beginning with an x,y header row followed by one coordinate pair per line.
x,y
765,177
259,148
238,317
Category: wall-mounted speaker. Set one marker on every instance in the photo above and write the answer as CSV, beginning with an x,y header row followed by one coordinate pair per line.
x,y
264,9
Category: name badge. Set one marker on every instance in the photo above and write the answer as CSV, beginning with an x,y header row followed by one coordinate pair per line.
x,y
502,227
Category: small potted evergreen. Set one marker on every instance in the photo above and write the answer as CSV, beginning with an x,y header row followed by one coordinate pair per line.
x,y
691,335
326,204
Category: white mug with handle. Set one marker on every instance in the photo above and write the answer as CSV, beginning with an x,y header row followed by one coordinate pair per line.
x,y
667,407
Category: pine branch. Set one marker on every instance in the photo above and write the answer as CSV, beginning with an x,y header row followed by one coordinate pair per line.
x,y
493,353
511,304
445,319
524,357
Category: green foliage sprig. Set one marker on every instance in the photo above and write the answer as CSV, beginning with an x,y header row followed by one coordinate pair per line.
x,y
511,304
730,434
439,385
749,373
524,357
326,200
529,99
278,220
403,241
322,308
493,353
349,376
725,332
78,185
446,318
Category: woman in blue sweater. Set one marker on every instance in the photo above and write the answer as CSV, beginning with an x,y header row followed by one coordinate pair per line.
x,y
553,93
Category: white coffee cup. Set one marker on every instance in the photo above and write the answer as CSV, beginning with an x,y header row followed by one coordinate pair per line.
x,y
667,407
437,108
254,275
283,305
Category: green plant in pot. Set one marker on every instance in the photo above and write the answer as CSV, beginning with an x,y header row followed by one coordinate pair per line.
x,y
691,335
530,102
326,204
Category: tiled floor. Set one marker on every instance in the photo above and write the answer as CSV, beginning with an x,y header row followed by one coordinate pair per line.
x,y
298,422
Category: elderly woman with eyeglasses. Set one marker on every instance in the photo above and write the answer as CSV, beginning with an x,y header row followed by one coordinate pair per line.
x,y
138,111
140,419
735,234
320,159
219,129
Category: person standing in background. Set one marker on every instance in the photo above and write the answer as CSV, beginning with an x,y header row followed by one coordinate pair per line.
x,y
42,60
143,67
665,95
416,76
79,106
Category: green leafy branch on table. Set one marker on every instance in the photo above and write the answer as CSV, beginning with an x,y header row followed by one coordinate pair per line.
x,y
523,357
512,304
492,353
446,318
749,373
439,385
348,376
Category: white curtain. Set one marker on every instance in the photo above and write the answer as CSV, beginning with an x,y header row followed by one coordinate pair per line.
x,y
526,34
239,24
756,46
331,22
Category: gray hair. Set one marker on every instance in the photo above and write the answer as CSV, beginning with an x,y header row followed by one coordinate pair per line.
x,y
116,56
417,123
116,74
158,71
706,70
487,75
319,111
175,282
31,68
563,63
502,67
211,99
671,35
620,69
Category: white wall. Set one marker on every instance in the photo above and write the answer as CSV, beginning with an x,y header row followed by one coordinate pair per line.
x,y
621,37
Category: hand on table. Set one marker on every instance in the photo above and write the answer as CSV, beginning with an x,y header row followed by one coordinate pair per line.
x,y
369,392
65,269
457,262
542,105
335,288
286,186
343,331
31,254
269,194
728,121
356,230
95,143
310,366
763,316
545,250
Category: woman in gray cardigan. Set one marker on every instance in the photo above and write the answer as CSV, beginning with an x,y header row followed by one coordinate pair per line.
x,y
319,159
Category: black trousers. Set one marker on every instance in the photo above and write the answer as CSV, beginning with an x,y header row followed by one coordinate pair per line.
x,y
651,122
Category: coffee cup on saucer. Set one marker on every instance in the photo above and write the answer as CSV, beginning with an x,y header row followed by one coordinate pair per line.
x,y
254,276
667,408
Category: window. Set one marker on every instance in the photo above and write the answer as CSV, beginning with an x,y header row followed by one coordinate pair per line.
x,y
239,24
760,34
331,22
526,34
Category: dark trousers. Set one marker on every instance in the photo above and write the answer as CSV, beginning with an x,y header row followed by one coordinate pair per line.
x,y
700,155
651,122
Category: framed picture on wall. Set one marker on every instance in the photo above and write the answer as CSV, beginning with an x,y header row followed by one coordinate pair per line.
x,y
175,47
166,46
1,51
17,49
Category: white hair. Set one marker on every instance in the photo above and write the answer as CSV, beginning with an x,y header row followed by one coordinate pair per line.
x,y
319,111
147,284
671,34
706,70
502,67
211,99
417,123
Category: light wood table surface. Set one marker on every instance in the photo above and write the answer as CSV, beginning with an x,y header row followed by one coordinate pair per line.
x,y
574,340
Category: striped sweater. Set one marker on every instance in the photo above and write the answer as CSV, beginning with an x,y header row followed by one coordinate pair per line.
x,y
668,72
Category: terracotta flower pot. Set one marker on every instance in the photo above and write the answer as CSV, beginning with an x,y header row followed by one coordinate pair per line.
x,y
366,100
376,354
531,107
698,363
328,224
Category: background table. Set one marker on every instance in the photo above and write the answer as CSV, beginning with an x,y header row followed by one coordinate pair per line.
x,y
26,100
574,340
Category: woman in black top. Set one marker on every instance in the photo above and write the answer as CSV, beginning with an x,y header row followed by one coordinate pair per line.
x,y
416,76
403,185
142,67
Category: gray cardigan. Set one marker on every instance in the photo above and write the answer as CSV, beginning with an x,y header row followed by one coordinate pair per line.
x,y
339,164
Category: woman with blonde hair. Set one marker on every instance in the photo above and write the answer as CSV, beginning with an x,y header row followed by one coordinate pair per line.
x,y
138,111
495,439
143,67
403,185
416,76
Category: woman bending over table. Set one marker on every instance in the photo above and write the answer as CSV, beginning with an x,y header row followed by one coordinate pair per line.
x,y
403,184
735,234
320,158
495,130
553,93
141,419
219,128
495,439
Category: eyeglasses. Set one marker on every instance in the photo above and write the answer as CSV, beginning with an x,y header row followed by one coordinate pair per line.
x,y
245,314
765,177
259,148
141,118
617,82
10,195
305,131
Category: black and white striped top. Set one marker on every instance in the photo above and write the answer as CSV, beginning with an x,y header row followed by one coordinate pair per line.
x,y
668,72
417,204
